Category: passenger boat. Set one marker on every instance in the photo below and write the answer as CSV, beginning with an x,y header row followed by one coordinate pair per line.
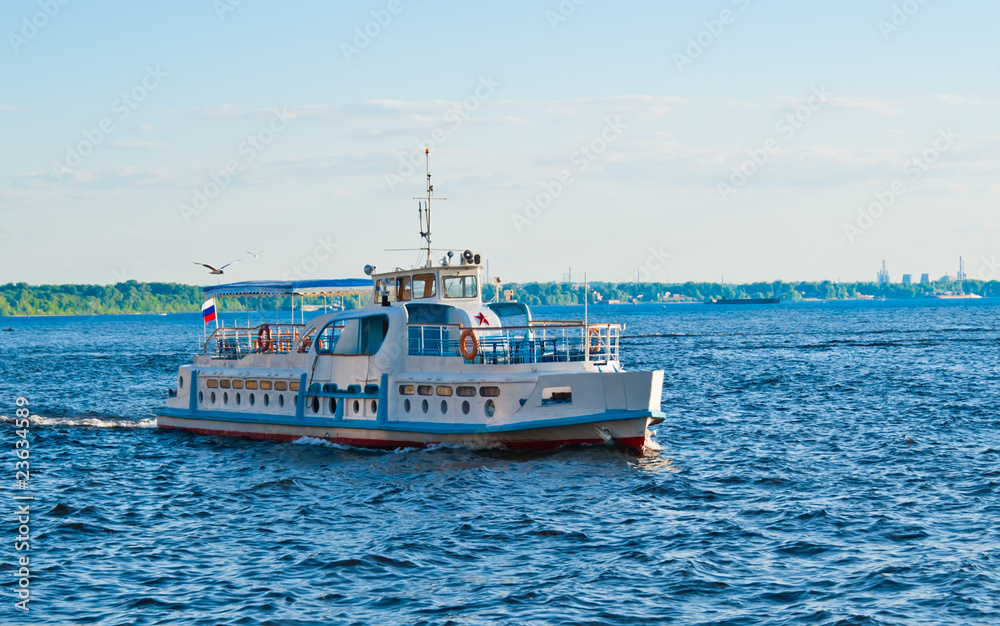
x,y
425,362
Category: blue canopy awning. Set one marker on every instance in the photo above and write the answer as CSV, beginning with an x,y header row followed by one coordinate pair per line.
x,y
290,287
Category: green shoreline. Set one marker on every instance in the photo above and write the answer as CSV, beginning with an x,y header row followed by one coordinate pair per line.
x,y
21,299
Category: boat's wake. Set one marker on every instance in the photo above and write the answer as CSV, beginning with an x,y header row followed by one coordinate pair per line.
x,y
85,422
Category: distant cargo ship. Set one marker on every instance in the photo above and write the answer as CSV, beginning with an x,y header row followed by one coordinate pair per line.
x,y
745,301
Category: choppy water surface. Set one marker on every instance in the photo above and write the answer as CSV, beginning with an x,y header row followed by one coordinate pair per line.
x,y
821,464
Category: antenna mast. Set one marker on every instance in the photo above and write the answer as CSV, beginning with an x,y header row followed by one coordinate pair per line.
x,y
426,234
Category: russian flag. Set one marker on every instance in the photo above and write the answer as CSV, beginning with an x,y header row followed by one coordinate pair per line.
x,y
208,311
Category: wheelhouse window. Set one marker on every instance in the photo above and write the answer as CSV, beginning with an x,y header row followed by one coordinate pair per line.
x,y
385,290
460,287
403,288
424,285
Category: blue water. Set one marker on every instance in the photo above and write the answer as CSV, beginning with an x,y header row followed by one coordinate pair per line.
x,y
821,463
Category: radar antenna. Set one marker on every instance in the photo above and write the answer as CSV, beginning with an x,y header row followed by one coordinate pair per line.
x,y
425,208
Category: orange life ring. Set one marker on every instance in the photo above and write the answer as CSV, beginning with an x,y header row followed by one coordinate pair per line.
x,y
264,338
592,334
468,355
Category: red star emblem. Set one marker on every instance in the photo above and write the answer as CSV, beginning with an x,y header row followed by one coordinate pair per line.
x,y
483,319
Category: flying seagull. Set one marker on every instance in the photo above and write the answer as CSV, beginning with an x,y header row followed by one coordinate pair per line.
x,y
255,254
216,270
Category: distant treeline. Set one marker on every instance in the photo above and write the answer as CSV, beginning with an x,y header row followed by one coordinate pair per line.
x,y
566,293
136,297
128,297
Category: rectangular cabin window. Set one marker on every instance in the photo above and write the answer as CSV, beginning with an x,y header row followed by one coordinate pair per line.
x,y
403,289
424,285
460,287
265,384
280,385
557,395
466,392
237,384
211,383
293,386
489,392
443,390
425,390
406,390
251,384
224,383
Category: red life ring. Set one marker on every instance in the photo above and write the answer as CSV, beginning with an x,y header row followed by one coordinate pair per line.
x,y
468,355
264,338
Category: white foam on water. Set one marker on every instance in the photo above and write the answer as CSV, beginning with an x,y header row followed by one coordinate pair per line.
x,y
316,441
86,422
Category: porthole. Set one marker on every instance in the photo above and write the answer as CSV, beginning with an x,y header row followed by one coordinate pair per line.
x,y
406,405
201,396
425,390
489,392
281,399
251,384
444,406
180,382
294,386
252,400
406,390
225,397
374,406
267,399
213,397
237,398
443,390
237,384
490,408
280,385
211,383
357,407
224,383
295,399
265,384
466,407
333,406
424,406
467,392
315,404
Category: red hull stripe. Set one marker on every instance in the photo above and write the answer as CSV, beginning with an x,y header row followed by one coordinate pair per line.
x,y
631,443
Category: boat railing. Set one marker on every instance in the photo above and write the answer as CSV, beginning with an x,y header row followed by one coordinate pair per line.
x,y
541,342
235,343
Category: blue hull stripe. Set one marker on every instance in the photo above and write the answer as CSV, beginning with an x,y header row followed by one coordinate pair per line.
x,y
414,427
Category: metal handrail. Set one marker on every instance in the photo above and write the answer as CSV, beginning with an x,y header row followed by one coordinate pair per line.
x,y
513,345
237,342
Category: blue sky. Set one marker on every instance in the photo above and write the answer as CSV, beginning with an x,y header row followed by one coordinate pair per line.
x,y
670,140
